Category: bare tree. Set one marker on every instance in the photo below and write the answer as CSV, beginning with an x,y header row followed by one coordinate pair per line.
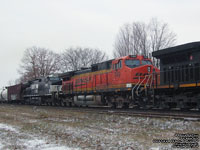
x,y
123,43
38,62
141,38
77,58
160,37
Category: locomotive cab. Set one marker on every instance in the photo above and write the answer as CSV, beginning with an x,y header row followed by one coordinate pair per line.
x,y
132,69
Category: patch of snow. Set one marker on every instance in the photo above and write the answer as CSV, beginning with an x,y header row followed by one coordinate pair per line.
x,y
58,148
1,146
68,120
40,144
191,119
154,148
31,144
32,121
7,127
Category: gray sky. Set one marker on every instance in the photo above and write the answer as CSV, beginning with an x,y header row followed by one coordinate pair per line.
x,y
59,24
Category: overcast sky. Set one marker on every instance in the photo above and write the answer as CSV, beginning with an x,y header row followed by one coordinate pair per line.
x,y
59,24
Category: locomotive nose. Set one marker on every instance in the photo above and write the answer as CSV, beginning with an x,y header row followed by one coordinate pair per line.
x,y
142,71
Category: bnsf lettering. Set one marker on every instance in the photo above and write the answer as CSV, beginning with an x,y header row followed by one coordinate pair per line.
x,y
82,81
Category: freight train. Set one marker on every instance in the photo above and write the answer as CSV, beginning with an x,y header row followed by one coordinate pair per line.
x,y
130,81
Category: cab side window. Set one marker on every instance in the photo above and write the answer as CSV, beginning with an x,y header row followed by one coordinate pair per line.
x,y
117,65
120,64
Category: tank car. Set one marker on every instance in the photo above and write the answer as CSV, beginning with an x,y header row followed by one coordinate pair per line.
x,y
4,95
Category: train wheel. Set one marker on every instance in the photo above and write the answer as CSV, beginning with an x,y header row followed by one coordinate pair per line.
x,y
62,104
143,103
126,106
119,104
113,105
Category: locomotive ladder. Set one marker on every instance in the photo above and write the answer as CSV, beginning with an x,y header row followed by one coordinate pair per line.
x,y
137,88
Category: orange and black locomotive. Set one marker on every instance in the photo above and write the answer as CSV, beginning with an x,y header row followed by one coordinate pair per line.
x,y
113,82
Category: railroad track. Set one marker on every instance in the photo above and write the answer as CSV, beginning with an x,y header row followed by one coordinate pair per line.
x,y
154,113
193,116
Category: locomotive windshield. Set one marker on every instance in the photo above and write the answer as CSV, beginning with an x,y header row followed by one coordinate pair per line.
x,y
146,62
132,63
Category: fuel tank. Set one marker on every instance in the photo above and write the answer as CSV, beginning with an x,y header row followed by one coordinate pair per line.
x,y
88,100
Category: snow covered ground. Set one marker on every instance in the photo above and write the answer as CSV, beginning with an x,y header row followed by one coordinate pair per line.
x,y
49,128
12,138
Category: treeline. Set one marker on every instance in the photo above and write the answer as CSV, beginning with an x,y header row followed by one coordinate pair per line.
x,y
38,61
133,38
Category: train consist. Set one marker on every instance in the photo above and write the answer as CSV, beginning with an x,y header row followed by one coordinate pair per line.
x,y
130,81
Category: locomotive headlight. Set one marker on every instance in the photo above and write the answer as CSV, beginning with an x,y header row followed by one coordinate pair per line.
x,y
149,69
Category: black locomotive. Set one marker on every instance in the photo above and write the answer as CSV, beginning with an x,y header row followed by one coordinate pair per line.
x,y
179,76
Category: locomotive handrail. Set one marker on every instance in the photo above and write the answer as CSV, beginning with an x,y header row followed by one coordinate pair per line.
x,y
140,84
152,80
135,87
147,80
147,83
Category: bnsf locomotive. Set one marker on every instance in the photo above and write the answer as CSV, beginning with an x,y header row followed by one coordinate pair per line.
x,y
117,83
130,81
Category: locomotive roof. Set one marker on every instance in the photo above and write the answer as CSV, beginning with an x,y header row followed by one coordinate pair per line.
x,y
94,67
180,48
66,74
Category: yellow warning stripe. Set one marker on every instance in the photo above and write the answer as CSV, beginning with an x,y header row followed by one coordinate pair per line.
x,y
91,73
181,85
